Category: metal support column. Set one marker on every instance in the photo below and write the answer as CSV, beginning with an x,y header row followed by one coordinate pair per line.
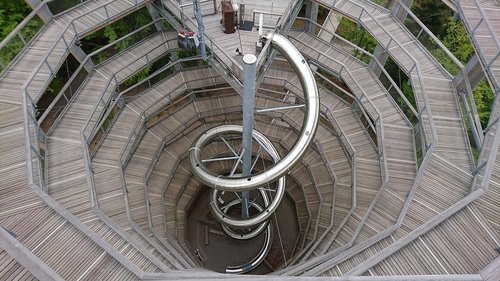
x,y
155,15
249,72
472,124
44,13
201,28
312,9
475,75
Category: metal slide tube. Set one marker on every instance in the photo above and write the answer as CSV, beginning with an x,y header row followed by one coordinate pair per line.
x,y
244,268
254,233
306,135
270,207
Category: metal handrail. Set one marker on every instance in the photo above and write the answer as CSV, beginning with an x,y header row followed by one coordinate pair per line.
x,y
74,33
353,183
327,112
474,121
91,131
472,29
33,145
175,134
86,60
429,146
34,178
139,125
393,83
416,66
486,160
351,152
16,32
429,149
82,2
151,111
263,13
376,126
433,37
113,82
266,53
358,99
216,52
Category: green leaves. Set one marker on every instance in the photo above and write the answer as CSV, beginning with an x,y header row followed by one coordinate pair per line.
x,y
12,13
457,41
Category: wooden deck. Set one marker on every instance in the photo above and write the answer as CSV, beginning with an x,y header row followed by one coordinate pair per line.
x,y
70,250
67,181
482,23
451,161
364,207
397,135
224,45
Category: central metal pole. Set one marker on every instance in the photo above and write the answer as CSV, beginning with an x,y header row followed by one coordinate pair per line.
x,y
249,73
201,28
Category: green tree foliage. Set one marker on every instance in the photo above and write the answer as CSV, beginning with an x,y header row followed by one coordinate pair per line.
x,y
97,40
484,98
115,31
359,36
434,14
457,41
12,12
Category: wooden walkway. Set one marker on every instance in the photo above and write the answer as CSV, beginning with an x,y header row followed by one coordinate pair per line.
x,y
67,179
446,180
482,23
47,231
224,45
398,135
364,207
481,19
130,210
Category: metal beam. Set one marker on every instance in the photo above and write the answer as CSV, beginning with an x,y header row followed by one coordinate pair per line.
x,y
26,258
44,13
312,14
475,74
450,4
167,15
492,271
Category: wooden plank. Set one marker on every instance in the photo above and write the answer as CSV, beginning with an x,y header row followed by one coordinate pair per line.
x,y
24,256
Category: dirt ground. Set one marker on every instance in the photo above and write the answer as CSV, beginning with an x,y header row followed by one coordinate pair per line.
x,y
222,250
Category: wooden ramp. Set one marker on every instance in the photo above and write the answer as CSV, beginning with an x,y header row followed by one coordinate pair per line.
x,y
481,19
365,205
398,135
444,184
483,24
52,235
67,180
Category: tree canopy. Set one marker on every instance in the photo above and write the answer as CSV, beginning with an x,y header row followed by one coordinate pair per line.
x,y
12,12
